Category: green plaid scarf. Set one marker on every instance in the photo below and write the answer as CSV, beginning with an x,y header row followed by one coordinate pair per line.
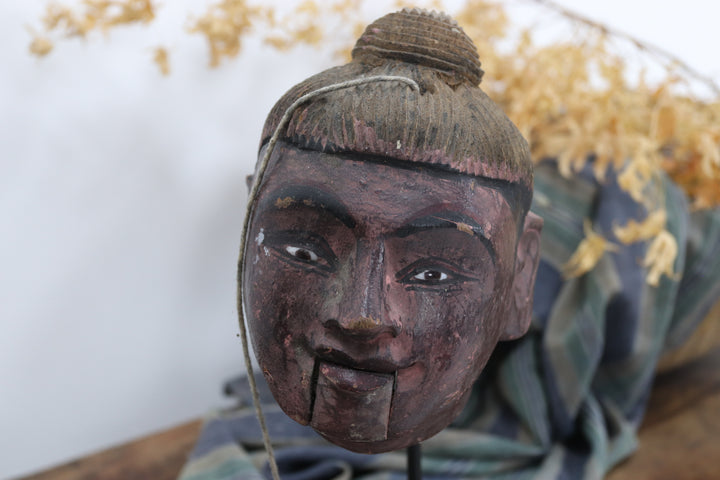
x,y
564,401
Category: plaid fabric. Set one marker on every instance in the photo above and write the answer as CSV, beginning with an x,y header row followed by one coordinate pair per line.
x,y
564,401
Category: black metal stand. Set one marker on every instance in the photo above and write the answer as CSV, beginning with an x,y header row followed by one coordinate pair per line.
x,y
414,455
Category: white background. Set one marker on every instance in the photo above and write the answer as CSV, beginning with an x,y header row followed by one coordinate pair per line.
x,y
121,201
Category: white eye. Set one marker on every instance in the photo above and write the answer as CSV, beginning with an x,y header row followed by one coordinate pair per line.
x,y
431,276
302,253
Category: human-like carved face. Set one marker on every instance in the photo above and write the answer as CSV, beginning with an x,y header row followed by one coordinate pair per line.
x,y
375,293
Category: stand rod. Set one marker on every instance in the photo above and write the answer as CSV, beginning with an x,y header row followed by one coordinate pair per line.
x,y
414,455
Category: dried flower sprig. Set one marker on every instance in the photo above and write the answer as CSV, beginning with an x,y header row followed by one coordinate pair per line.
x,y
572,100
225,24
588,253
93,15
161,57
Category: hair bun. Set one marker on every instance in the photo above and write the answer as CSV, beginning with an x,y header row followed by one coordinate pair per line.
x,y
427,38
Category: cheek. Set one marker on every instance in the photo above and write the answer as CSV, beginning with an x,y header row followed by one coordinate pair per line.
x,y
280,304
453,338
282,301
449,330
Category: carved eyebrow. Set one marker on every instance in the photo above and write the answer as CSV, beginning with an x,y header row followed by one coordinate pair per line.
x,y
453,220
312,197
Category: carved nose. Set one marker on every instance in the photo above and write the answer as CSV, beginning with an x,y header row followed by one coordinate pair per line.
x,y
360,312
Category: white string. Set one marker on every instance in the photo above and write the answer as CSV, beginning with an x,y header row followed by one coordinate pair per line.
x,y
249,211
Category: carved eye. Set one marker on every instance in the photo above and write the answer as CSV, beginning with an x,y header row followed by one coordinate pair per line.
x,y
302,249
433,273
431,276
302,254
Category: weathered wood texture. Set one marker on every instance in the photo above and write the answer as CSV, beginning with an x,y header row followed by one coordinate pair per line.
x,y
680,437
159,456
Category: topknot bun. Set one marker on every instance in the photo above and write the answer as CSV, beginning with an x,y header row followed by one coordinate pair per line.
x,y
426,38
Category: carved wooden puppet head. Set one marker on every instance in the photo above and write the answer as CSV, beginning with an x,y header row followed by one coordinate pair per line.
x,y
389,246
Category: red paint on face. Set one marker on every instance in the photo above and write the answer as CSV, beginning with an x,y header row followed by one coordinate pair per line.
x,y
379,268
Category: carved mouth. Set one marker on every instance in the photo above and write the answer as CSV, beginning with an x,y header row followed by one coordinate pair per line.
x,y
351,399
347,379
370,365
351,404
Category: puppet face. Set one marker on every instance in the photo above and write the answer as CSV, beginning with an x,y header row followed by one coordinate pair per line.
x,y
376,292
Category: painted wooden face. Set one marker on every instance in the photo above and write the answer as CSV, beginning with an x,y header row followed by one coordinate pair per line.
x,y
375,293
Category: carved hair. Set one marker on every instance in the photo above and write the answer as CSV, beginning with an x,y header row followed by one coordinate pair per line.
x,y
410,93
449,123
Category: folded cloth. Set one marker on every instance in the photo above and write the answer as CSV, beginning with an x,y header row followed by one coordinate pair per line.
x,y
562,402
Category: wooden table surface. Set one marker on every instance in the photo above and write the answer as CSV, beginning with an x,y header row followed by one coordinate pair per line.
x,y
679,439
680,436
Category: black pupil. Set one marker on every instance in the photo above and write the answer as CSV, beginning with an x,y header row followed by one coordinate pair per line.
x,y
303,254
432,275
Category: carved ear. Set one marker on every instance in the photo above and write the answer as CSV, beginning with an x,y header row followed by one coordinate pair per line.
x,y
249,181
526,264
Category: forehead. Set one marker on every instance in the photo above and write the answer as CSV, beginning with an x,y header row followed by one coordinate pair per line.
x,y
377,186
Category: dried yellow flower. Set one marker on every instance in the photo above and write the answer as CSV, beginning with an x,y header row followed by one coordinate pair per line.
x,y
308,6
278,43
660,257
41,46
95,14
638,231
62,18
710,152
162,60
663,122
636,176
224,24
588,253
131,11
